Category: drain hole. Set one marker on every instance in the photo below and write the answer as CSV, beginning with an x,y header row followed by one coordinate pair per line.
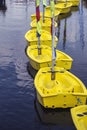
x,y
79,115
52,106
85,113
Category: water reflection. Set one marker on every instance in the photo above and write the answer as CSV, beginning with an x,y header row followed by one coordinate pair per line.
x,y
60,117
17,90
81,7
64,25
81,23
74,8
31,70
3,7
65,31
62,16
85,3
22,2
58,26
64,34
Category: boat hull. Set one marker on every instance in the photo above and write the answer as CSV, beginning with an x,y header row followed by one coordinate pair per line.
x,y
47,14
79,116
64,92
45,39
74,2
60,101
64,7
44,60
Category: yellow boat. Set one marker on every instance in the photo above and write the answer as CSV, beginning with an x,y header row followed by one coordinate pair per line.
x,y
79,116
44,60
45,39
47,14
65,7
74,2
46,25
63,91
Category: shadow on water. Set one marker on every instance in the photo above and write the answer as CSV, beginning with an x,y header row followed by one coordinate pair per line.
x,y
62,16
85,3
74,8
30,69
3,5
58,116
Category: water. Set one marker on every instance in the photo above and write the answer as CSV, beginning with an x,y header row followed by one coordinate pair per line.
x,y
18,108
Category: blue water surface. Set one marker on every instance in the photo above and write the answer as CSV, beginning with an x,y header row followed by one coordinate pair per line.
x,y
19,109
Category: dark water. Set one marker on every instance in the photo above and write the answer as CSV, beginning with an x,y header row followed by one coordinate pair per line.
x,y
18,108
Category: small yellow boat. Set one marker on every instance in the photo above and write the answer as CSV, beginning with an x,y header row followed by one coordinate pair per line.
x,y
46,25
63,91
74,2
45,39
79,116
64,7
44,60
47,14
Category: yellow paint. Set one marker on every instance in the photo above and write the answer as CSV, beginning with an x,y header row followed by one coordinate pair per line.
x,y
79,117
62,92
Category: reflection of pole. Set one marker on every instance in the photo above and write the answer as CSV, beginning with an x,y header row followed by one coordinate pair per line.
x,y
81,24
58,23
26,2
81,7
64,38
4,2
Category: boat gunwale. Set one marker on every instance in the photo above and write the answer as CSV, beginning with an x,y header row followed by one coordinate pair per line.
x,y
28,49
44,31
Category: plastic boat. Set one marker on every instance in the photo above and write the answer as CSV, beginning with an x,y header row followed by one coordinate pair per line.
x,y
63,91
79,116
47,14
45,58
64,7
45,39
46,25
